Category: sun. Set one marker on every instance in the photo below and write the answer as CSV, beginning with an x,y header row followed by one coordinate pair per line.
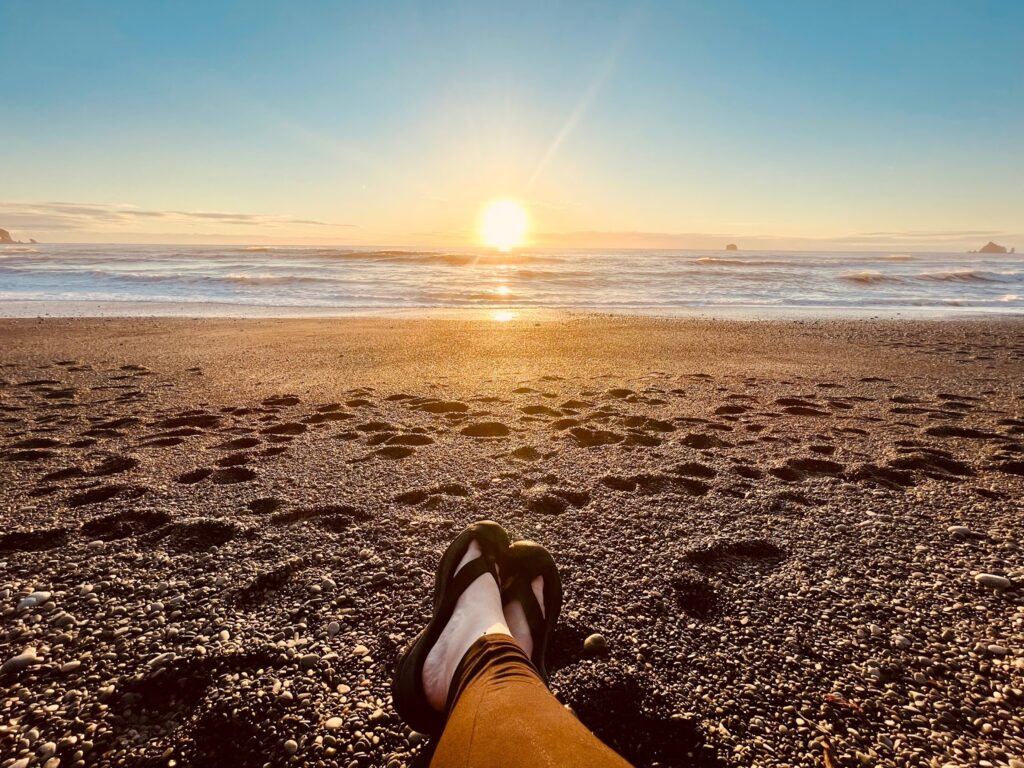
x,y
503,224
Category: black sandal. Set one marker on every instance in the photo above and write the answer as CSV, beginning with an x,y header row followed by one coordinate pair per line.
x,y
525,561
407,694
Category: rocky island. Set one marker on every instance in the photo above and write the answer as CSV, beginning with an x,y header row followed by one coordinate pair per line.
x,y
991,247
6,239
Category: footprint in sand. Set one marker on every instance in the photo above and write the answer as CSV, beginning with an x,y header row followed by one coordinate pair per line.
x,y
539,410
194,476
412,439
103,493
235,459
266,582
485,429
703,442
726,552
197,535
650,484
694,594
121,525
281,400
526,453
544,500
30,455
442,406
593,438
34,540
376,426
238,444
333,517
286,428
395,452
323,418
694,469
264,506
420,495
201,420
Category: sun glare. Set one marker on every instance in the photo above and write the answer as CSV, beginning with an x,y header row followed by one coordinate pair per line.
x,y
503,224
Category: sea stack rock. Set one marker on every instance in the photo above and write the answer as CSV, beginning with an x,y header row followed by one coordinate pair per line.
x,y
991,247
732,247
5,237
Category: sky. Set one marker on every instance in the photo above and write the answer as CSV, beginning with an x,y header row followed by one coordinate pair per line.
x,y
770,123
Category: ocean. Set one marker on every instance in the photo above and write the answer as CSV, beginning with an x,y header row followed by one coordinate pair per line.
x,y
293,280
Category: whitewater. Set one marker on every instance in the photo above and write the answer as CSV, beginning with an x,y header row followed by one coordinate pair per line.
x,y
653,282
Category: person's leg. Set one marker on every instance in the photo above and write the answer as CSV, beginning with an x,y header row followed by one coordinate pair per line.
x,y
501,715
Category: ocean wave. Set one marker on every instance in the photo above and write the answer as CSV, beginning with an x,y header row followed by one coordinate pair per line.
x,y
870,277
961,276
900,257
265,279
722,261
1009,297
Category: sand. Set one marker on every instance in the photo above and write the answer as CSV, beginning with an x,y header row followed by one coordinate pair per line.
x,y
801,540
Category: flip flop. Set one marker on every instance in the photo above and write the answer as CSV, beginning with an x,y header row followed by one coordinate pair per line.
x,y
525,561
407,694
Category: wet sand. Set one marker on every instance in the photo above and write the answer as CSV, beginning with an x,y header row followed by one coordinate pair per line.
x,y
800,540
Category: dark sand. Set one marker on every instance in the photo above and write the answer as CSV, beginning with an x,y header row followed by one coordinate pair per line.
x,y
235,524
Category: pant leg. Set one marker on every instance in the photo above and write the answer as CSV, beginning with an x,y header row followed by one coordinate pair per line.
x,y
501,715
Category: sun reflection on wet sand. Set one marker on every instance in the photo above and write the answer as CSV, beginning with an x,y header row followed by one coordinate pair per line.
x,y
504,315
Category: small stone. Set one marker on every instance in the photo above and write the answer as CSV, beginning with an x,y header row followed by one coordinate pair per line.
x,y
46,751
992,581
333,628
960,532
595,645
901,641
70,666
360,650
309,661
17,663
160,659
334,723
291,746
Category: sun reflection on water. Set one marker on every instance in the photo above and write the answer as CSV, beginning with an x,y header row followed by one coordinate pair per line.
x,y
503,315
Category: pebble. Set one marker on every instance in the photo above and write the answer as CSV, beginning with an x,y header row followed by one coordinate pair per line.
x,y
160,659
333,628
993,581
17,663
34,600
595,645
291,746
309,660
334,723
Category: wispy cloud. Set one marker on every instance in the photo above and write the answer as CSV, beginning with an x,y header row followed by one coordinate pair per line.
x,y
45,217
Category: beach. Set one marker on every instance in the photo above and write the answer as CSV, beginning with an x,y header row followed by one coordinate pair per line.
x,y
800,540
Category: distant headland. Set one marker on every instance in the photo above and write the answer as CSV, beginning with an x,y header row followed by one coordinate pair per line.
x,y
732,247
991,247
6,239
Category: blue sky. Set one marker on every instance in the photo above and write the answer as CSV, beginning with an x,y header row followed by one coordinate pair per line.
x,y
789,124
